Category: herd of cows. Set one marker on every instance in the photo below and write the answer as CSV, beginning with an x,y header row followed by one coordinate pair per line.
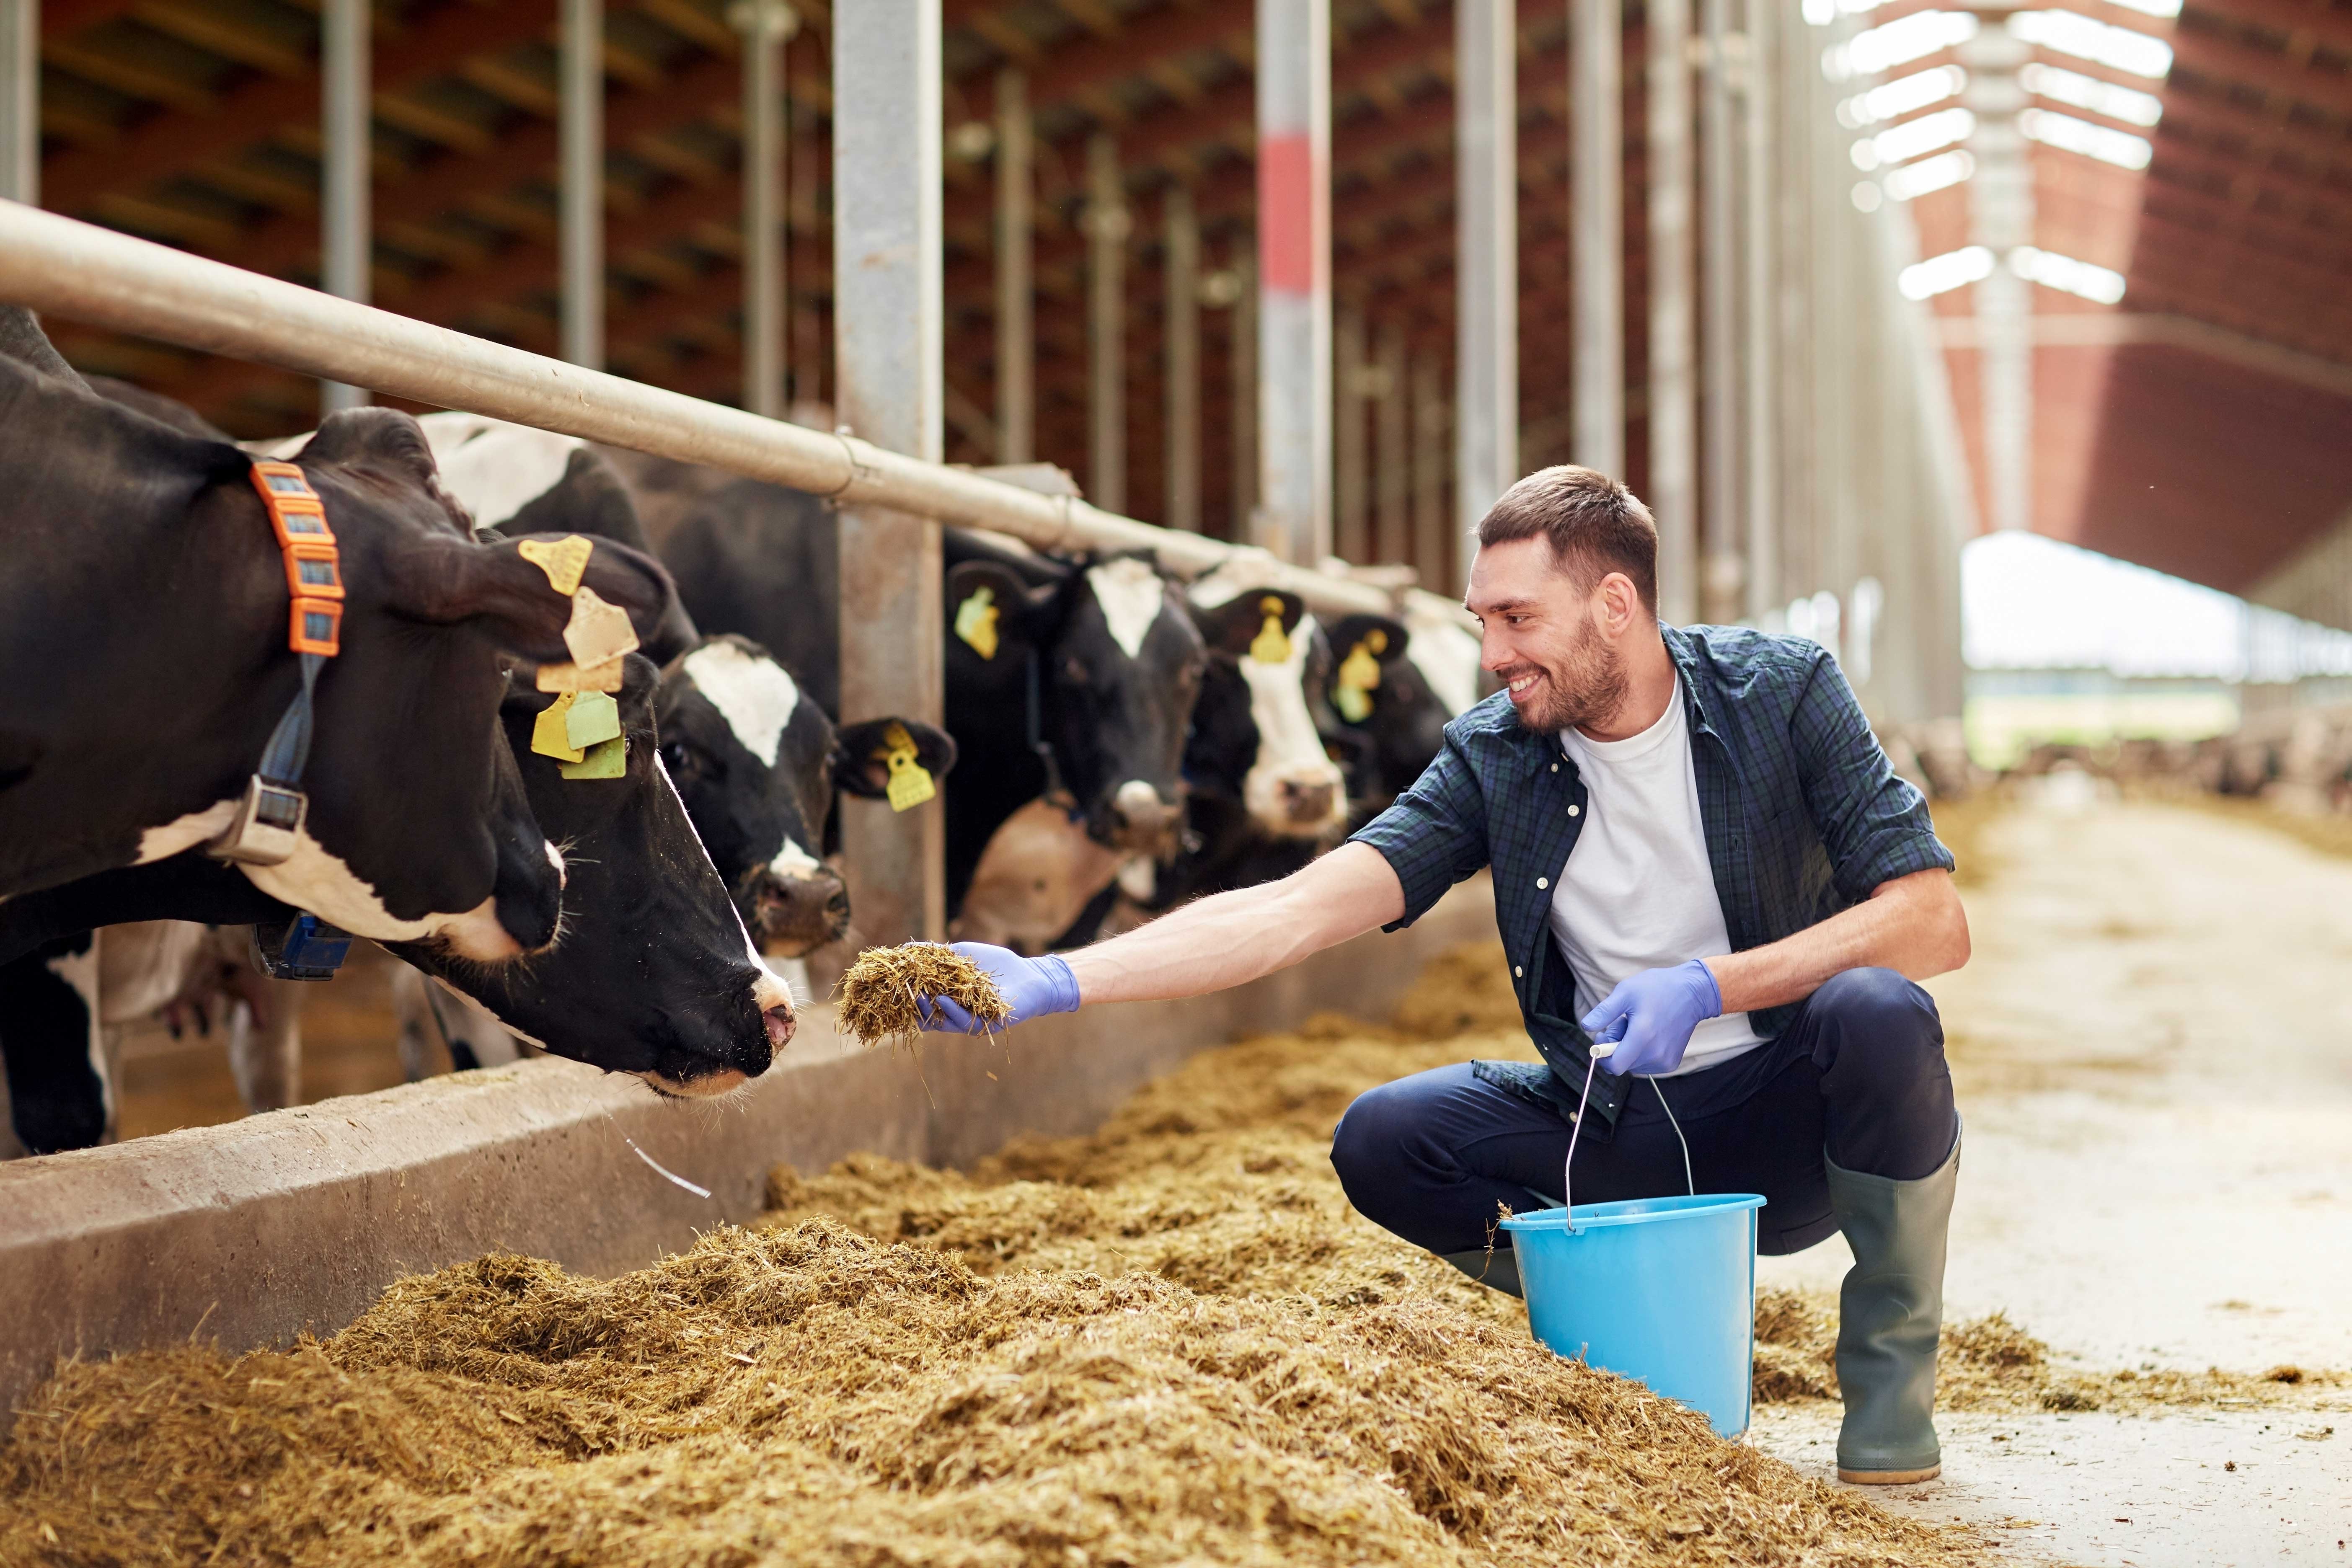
x,y
1116,740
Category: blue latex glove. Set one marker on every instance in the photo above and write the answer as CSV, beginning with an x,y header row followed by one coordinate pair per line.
x,y
1032,987
1651,1015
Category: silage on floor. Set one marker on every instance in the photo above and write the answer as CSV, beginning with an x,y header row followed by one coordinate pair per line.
x,y
1167,1344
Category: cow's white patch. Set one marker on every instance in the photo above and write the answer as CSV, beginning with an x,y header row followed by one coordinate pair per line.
x,y
1238,573
1131,597
196,827
496,468
1447,656
755,696
315,878
793,972
143,965
1290,756
792,860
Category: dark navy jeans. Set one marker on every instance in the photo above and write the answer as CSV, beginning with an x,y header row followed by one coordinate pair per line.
x,y
1858,1075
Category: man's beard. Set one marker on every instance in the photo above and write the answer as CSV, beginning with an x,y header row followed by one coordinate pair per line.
x,y
1589,687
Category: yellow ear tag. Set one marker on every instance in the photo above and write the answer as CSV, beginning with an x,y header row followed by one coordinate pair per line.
x,y
549,735
604,677
606,760
910,782
1360,672
598,631
1271,645
564,561
975,622
595,719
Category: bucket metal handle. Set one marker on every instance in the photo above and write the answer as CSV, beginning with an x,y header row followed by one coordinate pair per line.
x,y
1568,1169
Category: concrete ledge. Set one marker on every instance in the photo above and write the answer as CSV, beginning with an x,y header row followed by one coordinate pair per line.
x,y
251,1232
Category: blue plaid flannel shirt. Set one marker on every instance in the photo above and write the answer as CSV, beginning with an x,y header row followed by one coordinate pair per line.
x,y
1804,816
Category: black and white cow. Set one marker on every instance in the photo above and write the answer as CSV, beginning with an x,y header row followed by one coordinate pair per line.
x,y
140,575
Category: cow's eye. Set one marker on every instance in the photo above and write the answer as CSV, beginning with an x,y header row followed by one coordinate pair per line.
x,y
1073,671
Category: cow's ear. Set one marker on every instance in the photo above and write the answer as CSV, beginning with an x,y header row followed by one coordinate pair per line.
x,y
861,753
446,580
1380,637
1235,626
992,611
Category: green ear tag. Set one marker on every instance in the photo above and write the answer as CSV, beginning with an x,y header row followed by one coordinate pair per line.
x,y
548,737
975,622
595,718
1360,674
606,760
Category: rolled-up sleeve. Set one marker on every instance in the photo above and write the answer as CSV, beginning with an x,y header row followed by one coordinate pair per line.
x,y
1433,835
1873,824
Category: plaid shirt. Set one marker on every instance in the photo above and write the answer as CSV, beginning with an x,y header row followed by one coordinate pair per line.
x,y
1803,815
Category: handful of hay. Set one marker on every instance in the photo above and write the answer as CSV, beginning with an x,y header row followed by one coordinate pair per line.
x,y
881,995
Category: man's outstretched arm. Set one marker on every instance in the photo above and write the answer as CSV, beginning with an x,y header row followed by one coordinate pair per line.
x,y
1205,946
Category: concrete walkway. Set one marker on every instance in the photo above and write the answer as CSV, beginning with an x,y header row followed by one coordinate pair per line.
x,y
2153,1048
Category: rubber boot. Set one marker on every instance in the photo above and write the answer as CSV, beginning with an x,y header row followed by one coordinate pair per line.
x,y
1890,1316
1498,1268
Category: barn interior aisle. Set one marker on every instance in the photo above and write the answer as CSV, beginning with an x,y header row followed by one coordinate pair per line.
x,y
2153,1051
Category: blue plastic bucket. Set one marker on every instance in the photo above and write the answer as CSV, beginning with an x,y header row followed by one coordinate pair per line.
x,y
1662,1290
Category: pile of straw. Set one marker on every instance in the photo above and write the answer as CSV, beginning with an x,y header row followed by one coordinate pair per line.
x,y
881,995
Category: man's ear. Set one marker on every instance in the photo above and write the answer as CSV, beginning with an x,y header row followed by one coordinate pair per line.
x,y
991,610
445,580
861,754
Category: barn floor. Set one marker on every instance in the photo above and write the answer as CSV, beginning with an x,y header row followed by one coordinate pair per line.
x,y
2153,1047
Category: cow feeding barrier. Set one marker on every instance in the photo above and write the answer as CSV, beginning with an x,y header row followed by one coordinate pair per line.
x,y
59,266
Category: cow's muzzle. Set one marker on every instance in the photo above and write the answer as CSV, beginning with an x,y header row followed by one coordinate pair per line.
x,y
793,913
1140,820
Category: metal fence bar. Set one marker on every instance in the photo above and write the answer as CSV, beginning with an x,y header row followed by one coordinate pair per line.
x,y
60,267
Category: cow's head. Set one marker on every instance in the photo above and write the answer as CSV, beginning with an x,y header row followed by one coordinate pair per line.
x,y
1254,731
1118,666
654,973
757,762
1378,697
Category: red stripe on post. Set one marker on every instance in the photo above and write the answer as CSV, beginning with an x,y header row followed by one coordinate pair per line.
x,y
1286,213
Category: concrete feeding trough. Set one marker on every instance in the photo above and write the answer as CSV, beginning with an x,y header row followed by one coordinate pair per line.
x,y
250,1232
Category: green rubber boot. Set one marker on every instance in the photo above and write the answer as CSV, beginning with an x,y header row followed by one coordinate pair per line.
x,y
1498,1268
1890,1316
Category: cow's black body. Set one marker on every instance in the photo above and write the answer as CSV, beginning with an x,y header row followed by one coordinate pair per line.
x,y
56,1097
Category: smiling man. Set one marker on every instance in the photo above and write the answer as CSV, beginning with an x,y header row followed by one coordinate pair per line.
x,y
1700,853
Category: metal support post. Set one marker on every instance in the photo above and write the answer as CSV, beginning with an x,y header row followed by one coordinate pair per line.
x,y
1434,549
345,244
888,331
1182,456
1107,225
1486,366
1016,340
1294,276
1760,308
1674,417
1245,396
766,26
1596,113
1353,457
20,100
1393,463
1719,334
582,69
2000,214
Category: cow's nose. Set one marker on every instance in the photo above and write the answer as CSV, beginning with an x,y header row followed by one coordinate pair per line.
x,y
1139,806
1306,802
797,911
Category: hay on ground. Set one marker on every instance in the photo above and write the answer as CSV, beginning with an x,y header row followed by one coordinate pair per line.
x,y
880,995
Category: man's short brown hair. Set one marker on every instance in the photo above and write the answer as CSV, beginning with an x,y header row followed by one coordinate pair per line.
x,y
1594,524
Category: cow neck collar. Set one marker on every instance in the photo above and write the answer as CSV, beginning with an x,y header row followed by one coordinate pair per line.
x,y
269,821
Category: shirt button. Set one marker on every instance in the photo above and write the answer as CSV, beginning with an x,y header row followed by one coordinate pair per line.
x,y
1555,767
1543,881
1574,810
1517,973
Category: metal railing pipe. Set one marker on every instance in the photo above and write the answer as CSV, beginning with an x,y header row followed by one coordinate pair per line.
x,y
61,267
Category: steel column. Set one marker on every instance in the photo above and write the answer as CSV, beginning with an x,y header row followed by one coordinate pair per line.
x,y
1487,226
582,70
1017,338
1596,223
1107,225
1294,276
2002,214
1393,463
888,322
1351,484
345,243
1244,528
766,25
1181,457
1719,334
1674,458
20,100
1434,553
1760,308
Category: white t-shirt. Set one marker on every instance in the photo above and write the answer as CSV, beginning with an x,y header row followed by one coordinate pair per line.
x,y
1637,892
